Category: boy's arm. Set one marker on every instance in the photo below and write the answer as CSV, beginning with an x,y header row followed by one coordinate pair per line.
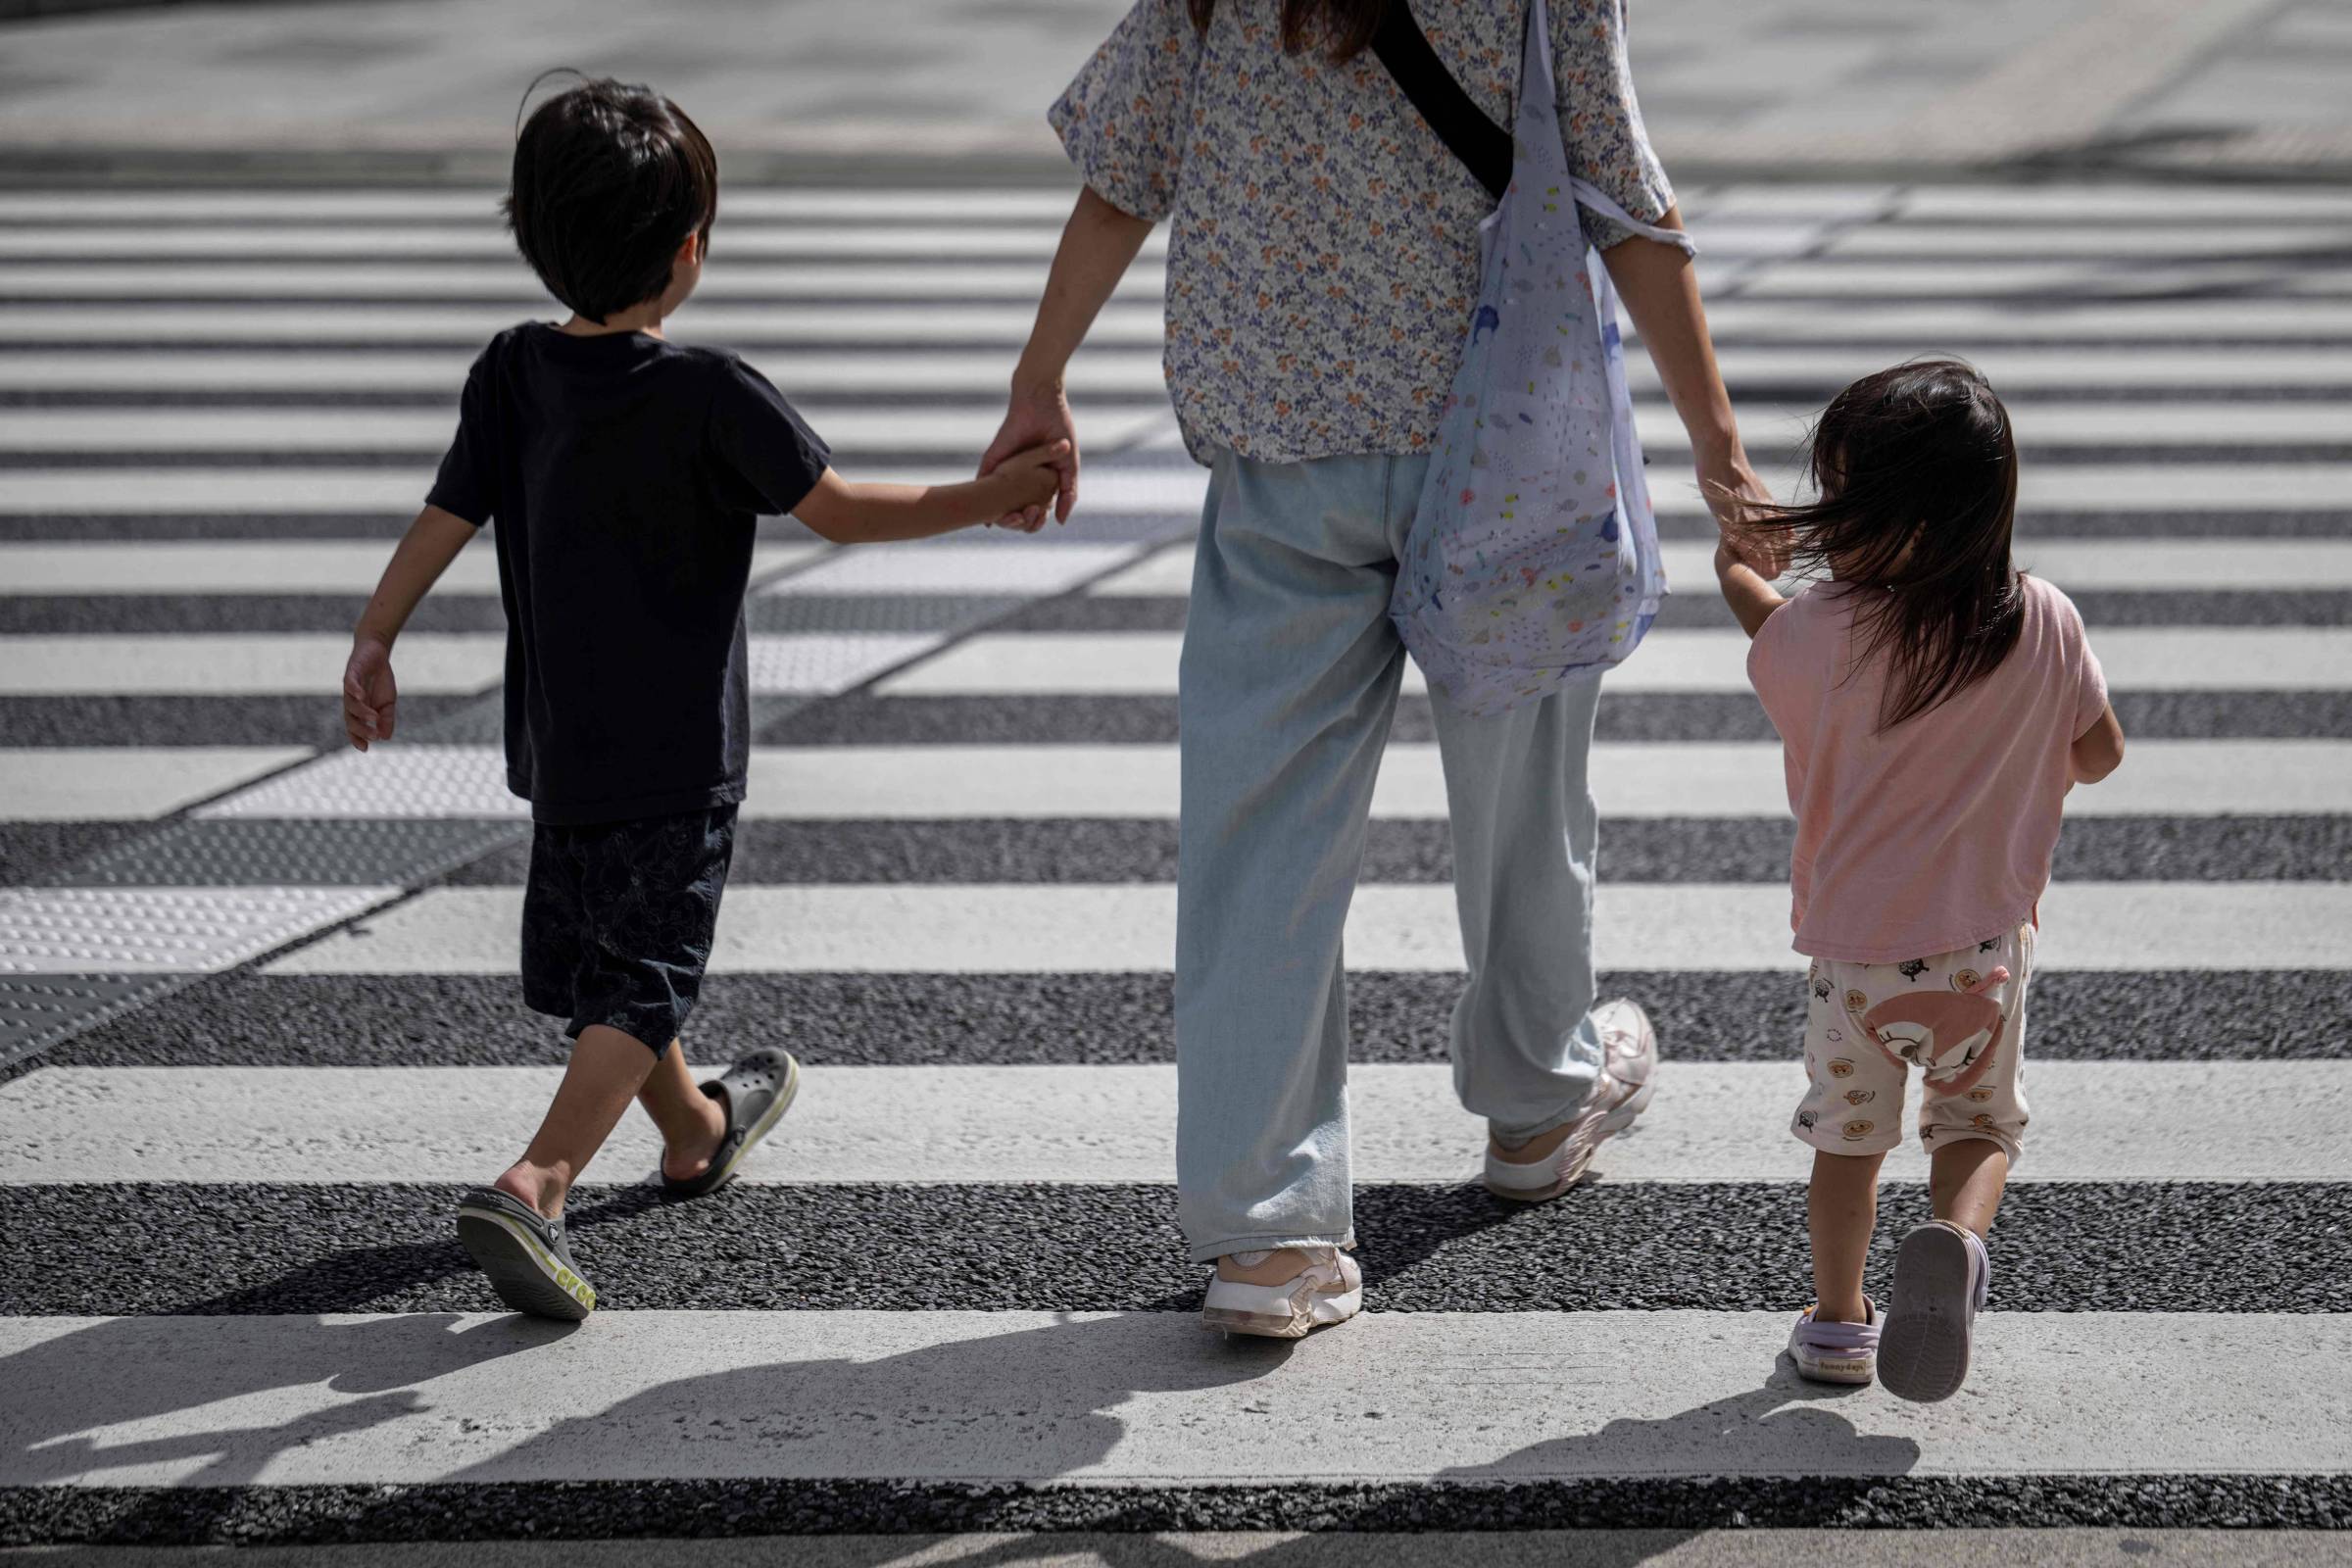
x,y
847,513
1752,598
425,550
2098,752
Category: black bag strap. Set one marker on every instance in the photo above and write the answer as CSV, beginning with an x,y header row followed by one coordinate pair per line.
x,y
1483,146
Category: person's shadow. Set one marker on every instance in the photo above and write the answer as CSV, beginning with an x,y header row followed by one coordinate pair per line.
x,y
1786,1428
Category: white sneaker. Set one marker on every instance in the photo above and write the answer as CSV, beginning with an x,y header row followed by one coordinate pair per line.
x,y
1329,1290
1629,1060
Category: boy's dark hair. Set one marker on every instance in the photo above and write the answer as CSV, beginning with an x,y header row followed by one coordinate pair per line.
x,y
1916,471
610,178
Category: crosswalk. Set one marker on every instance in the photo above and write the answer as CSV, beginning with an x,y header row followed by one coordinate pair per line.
x,y
259,1020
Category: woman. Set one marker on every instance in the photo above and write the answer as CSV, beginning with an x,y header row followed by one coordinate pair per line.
x,y
1322,264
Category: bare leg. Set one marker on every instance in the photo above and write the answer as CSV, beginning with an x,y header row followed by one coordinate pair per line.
x,y
1841,1208
607,1067
691,1121
1966,1180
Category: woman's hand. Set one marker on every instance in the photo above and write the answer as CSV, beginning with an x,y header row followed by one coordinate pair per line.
x,y
1731,488
1038,415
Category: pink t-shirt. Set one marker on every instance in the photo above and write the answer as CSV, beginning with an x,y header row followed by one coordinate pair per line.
x,y
1938,832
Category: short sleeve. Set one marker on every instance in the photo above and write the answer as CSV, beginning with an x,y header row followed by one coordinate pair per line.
x,y
466,484
1122,119
2088,680
1607,144
767,458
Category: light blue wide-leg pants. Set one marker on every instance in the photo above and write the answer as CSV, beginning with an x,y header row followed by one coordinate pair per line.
x,y
1290,679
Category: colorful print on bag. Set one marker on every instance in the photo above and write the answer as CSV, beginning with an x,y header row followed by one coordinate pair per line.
x,y
1534,556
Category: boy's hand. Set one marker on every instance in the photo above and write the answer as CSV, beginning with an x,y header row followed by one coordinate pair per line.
x,y
369,696
1031,477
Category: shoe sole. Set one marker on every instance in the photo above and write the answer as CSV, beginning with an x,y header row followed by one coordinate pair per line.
x,y
1318,1310
1924,1353
526,1276
1615,1122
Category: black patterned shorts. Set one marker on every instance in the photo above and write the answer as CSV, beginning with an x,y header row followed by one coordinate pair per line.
x,y
617,920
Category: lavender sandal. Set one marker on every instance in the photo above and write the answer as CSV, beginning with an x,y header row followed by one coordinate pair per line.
x,y
1941,1275
1836,1352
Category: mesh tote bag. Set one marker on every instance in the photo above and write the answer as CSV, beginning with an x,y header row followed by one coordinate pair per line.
x,y
1534,557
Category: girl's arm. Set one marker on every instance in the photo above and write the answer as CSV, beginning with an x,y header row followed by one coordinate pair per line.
x,y
370,694
2098,752
1098,245
1752,599
1661,294
851,514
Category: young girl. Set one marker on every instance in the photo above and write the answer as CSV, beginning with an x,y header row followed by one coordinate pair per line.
x,y
1935,706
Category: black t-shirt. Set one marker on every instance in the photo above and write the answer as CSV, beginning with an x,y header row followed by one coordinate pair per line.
x,y
624,473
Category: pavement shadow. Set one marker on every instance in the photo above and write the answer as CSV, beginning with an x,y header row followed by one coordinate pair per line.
x,y
1786,1427
65,1392
1036,1404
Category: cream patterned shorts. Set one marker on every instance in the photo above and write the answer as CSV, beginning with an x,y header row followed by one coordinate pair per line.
x,y
1951,1015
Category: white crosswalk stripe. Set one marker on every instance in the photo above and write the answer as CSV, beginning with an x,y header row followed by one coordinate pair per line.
x,y
272,987
1110,929
932,783
2134,658
1114,1399
2128,565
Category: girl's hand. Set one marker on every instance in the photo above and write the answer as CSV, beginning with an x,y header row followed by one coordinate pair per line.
x,y
369,695
1038,415
1731,488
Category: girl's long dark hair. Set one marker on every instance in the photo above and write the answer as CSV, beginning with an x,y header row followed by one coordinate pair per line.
x,y
1340,29
1916,474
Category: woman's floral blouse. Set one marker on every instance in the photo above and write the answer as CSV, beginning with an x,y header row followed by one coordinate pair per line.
x,y
1323,242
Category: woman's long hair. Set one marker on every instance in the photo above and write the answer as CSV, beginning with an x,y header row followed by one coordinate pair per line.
x,y
1915,469
1340,29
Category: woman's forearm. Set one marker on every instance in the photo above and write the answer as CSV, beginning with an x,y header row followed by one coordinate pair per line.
x,y
1098,244
1661,289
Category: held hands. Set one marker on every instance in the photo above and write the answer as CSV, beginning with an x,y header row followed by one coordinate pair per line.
x,y
369,696
1038,416
1731,489
1029,480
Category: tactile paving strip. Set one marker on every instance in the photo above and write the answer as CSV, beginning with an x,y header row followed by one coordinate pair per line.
x,y
355,852
879,613
1016,567
393,781
822,663
37,1011
122,931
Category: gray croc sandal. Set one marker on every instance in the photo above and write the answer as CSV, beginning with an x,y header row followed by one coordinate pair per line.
x,y
756,1093
525,1255
1941,1276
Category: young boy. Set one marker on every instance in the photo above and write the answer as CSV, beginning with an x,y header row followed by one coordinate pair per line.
x,y
625,473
